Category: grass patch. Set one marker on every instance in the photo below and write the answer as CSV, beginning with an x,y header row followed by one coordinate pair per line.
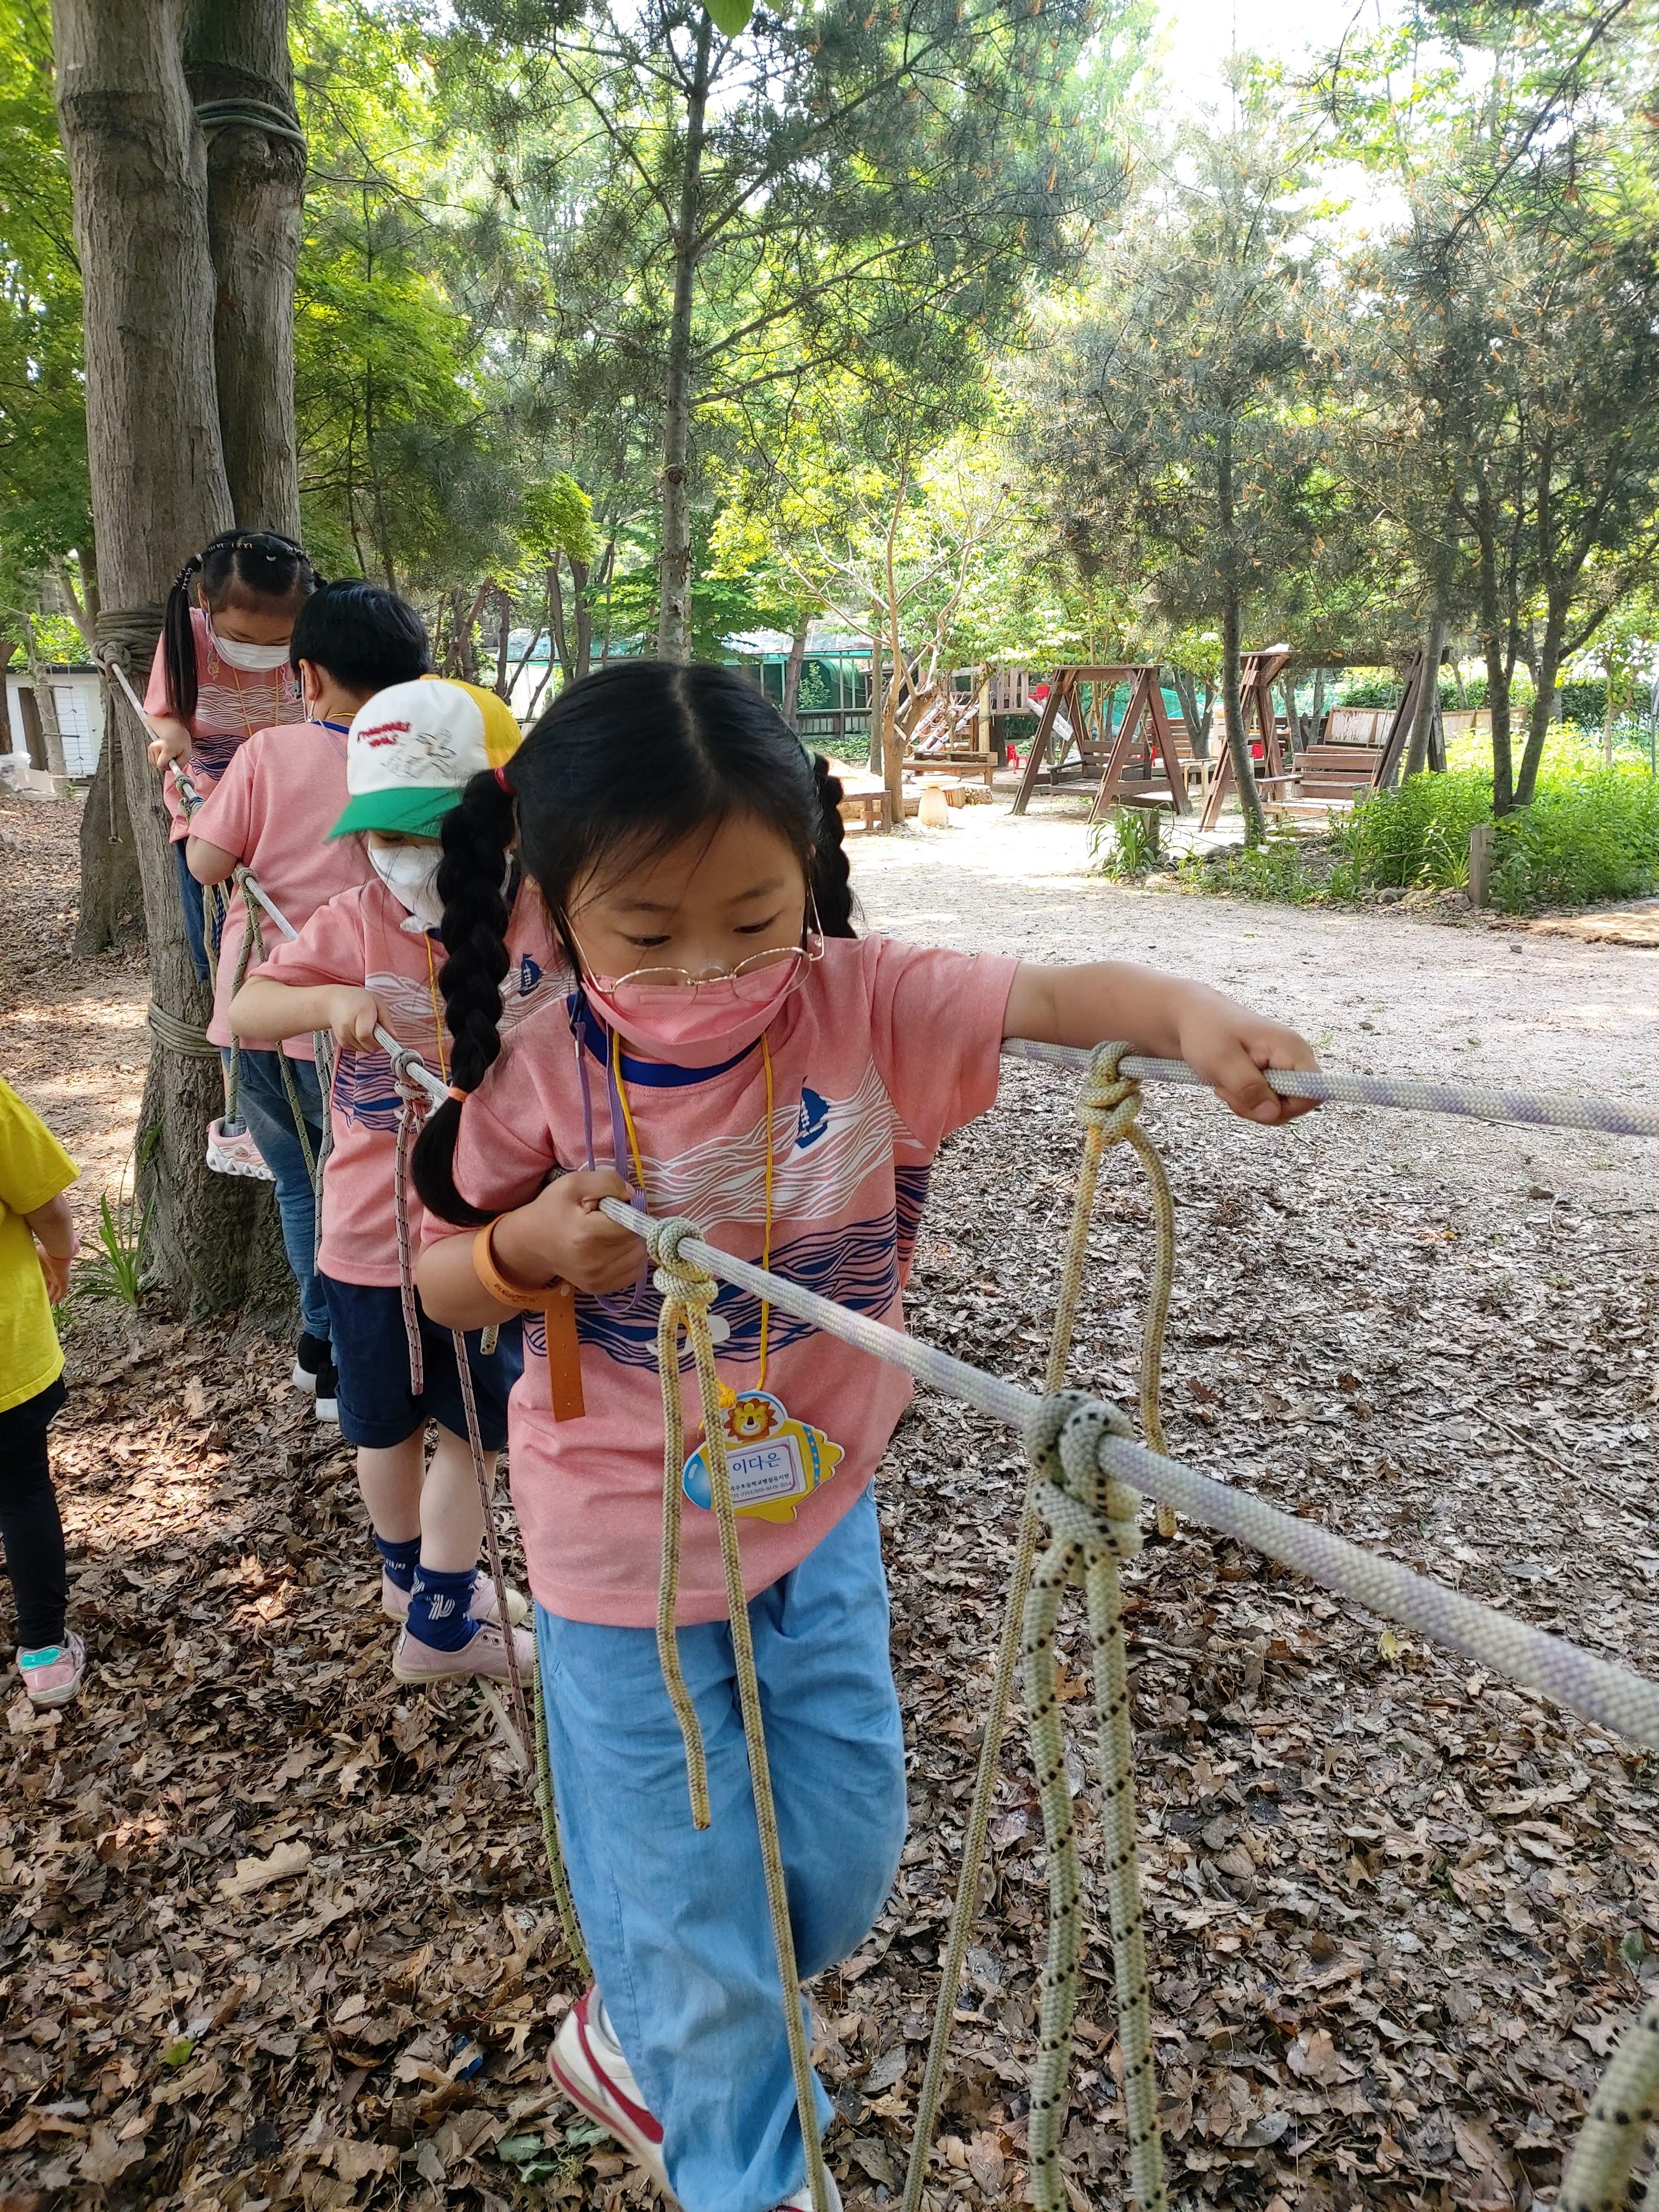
x,y
1591,833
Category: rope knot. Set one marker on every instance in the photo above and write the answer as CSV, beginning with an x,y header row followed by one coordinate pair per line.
x,y
678,1278
1108,1100
1081,1503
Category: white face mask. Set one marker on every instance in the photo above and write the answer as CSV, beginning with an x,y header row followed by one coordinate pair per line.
x,y
409,873
252,659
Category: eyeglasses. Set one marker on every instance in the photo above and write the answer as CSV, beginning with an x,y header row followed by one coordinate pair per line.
x,y
752,980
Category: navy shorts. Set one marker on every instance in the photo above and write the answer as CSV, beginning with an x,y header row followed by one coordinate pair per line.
x,y
371,1356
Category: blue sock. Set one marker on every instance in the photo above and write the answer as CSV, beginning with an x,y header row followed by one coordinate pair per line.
x,y
400,1560
437,1609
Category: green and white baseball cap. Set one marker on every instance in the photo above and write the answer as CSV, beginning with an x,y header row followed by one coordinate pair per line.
x,y
413,747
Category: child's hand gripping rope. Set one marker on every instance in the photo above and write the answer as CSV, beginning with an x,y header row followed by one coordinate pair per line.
x,y
563,1234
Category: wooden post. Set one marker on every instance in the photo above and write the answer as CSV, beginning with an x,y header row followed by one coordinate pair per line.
x,y
985,710
1480,844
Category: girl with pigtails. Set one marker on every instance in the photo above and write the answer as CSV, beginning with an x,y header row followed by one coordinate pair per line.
x,y
222,672
733,1052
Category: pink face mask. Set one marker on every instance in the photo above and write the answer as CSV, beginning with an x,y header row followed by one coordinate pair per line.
x,y
695,1028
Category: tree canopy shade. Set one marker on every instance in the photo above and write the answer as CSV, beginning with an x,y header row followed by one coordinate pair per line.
x,y
815,188
1503,344
1175,420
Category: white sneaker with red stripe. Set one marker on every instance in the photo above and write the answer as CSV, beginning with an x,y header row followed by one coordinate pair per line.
x,y
586,2061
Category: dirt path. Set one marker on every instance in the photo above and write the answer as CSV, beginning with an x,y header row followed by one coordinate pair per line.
x,y
1397,1909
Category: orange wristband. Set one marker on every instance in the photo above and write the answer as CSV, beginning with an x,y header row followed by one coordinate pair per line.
x,y
555,1302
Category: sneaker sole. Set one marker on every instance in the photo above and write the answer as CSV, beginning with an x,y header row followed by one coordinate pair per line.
x,y
49,1701
650,2161
416,1675
328,1410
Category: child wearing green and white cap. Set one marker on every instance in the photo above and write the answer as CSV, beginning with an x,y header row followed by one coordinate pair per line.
x,y
372,955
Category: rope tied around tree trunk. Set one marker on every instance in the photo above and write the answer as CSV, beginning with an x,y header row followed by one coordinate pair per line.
x,y
686,1293
189,1038
124,635
1095,1524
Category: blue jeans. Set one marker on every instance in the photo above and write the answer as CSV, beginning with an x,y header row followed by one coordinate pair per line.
x,y
676,1922
263,1102
191,894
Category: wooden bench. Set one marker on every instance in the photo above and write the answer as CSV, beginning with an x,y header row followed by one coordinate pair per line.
x,y
1338,771
865,797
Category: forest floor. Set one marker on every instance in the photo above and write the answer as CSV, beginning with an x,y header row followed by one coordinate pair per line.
x,y
279,1932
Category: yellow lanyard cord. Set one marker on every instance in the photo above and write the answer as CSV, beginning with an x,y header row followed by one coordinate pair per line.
x,y
639,1174
437,1011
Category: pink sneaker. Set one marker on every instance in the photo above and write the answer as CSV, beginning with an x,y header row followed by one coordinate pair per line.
x,y
231,1150
394,1602
483,1653
52,1674
587,2063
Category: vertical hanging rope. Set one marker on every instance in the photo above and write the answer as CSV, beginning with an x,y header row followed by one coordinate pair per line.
x,y
687,1294
1626,2103
1095,1522
408,1116
1108,1106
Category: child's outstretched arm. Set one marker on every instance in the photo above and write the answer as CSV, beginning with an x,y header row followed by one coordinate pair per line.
x,y
1166,1018
265,1008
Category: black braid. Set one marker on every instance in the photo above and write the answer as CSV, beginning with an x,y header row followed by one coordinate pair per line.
x,y
832,886
476,838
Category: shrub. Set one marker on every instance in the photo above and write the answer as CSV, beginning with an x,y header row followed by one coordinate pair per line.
x,y
1127,845
1584,701
1278,869
1590,833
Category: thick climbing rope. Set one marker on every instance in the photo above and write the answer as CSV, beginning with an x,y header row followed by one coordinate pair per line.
x,y
1626,2104
1469,1102
687,1292
174,1035
1094,1519
1108,1109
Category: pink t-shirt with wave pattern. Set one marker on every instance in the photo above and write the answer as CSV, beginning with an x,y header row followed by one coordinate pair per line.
x,y
883,1050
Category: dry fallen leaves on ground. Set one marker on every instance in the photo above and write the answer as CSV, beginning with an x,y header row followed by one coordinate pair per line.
x,y
279,1933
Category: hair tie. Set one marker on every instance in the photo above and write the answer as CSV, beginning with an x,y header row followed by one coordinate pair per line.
x,y
460,1095
500,774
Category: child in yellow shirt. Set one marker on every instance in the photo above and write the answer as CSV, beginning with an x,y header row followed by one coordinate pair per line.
x,y
36,1243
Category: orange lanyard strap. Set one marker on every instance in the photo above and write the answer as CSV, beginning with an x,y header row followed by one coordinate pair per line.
x,y
555,1302
639,1174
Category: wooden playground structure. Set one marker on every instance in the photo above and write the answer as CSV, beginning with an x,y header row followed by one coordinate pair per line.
x,y
1108,724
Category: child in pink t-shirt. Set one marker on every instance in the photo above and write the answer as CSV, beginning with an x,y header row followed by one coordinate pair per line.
x,y
736,1054
222,671
371,957
273,810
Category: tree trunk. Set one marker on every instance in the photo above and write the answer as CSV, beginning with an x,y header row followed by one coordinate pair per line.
x,y
240,75
674,617
1547,671
503,639
578,576
791,675
1232,702
1317,716
112,908
1428,694
45,705
138,169
1197,718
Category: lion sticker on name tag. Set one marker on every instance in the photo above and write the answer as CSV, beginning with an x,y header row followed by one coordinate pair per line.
x,y
774,1460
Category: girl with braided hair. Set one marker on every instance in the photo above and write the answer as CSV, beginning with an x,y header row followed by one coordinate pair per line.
x,y
734,1053
221,671
371,956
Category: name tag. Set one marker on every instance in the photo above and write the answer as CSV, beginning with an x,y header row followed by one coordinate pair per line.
x,y
772,1460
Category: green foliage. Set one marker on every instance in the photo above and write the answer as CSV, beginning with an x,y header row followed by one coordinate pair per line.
x,y
1584,701
1277,869
119,1269
1127,845
44,494
1590,833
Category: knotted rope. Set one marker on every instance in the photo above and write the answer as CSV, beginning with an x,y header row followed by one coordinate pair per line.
x,y
1626,2099
1109,1107
687,1292
1093,1518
